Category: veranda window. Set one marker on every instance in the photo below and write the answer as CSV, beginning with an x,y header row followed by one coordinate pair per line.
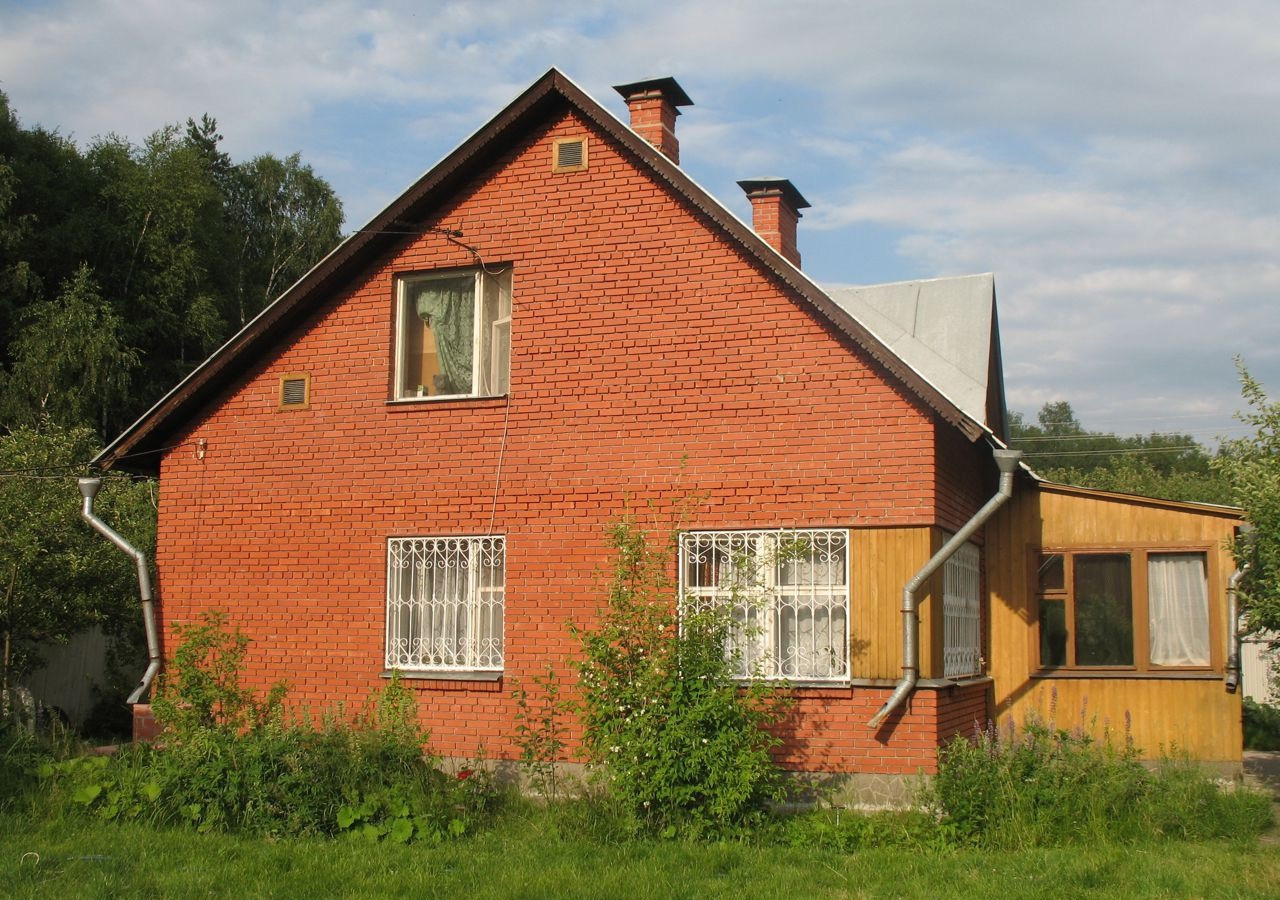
x,y
1123,609
787,593
445,600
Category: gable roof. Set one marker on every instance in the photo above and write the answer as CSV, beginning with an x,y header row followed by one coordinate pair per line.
x,y
139,446
943,328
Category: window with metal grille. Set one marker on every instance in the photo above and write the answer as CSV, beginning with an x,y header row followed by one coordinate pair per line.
x,y
445,597
962,614
787,593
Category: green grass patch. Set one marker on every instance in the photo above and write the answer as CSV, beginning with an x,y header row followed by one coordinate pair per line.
x,y
533,852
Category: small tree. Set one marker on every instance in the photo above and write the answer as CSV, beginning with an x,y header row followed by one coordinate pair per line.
x,y
682,741
70,364
1252,467
57,577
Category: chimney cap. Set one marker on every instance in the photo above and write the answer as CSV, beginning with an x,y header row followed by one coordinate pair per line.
x,y
668,87
754,186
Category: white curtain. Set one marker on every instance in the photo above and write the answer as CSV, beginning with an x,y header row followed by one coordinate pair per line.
x,y
1178,604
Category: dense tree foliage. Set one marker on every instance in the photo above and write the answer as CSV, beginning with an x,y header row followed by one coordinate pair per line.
x,y
1251,465
138,261
1172,466
121,268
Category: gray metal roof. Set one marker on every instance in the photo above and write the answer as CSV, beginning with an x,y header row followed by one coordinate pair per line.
x,y
943,328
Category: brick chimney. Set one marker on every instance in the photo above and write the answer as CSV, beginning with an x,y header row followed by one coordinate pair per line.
x,y
653,105
775,210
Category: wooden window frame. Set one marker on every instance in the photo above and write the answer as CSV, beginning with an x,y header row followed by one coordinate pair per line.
x,y
305,378
1138,557
556,144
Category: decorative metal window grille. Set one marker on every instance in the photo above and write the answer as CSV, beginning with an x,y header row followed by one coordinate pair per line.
x,y
788,595
444,603
962,614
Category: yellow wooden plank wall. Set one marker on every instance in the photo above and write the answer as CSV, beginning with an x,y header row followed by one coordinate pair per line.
x,y
1193,716
883,560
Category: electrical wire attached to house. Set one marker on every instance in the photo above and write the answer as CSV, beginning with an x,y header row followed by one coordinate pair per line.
x,y
450,234
497,476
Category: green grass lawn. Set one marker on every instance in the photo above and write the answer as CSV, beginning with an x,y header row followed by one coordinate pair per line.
x,y
529,854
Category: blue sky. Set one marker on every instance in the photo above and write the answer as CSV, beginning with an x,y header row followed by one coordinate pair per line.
x,y
1114,163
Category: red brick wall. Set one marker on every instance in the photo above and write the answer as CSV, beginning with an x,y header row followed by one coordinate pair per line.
x,y
964,711
648,362
966,478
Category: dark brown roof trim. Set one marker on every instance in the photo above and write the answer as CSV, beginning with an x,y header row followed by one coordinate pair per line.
x,y
139,447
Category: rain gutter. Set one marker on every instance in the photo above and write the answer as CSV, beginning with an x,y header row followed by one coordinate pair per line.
x,y
89,488
1007,461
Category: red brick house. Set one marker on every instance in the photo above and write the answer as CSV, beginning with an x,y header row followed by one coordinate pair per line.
x,y
411,459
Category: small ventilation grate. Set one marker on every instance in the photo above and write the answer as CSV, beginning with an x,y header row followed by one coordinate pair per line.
x,y
295,391
569,154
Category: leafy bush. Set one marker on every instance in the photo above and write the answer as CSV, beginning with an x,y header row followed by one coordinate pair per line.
x,y
1046,787
229,762
1261,726
683,743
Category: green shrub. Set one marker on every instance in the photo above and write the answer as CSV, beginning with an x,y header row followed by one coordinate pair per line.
x,y
541,733
685,746
1043,786
1261,726
230,763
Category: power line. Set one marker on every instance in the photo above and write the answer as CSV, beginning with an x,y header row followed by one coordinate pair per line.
x,y
1120,452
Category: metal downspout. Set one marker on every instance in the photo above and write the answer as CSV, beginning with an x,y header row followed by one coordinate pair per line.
x,y
89,488
1233,628
1007,460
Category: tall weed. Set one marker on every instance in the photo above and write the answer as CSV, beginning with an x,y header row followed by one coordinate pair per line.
x,y
1042,786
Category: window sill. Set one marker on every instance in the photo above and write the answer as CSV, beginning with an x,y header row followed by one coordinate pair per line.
x,y
923,683
1179,675
487,399
462,675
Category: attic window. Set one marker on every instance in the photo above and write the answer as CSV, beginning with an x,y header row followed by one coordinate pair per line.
x,y
569,154
453,336
295,391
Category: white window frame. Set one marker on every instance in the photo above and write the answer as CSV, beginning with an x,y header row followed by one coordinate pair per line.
x,y
445,603
491,336
747,570
962,613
